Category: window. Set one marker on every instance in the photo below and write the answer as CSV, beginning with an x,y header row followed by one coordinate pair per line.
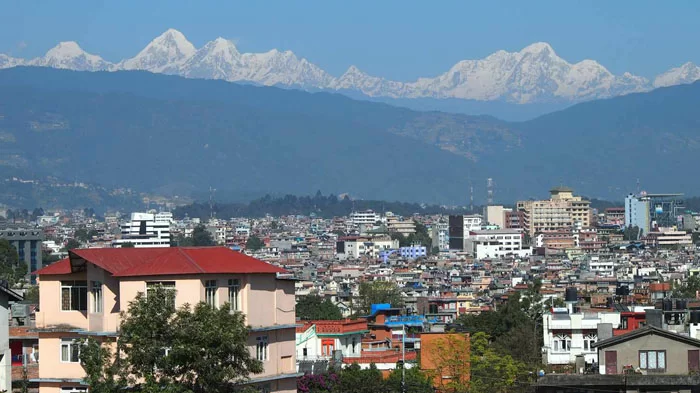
x,y
588,341
261,348
74,389
234,289
561,343
652,360
167,285
210,293
70,351
96,291
624,323
74,295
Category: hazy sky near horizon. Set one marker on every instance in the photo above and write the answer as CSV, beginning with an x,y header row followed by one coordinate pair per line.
x,y
399,40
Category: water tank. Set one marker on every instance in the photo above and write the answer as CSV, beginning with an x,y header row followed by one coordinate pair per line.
x,y
667,305
571,295
695,317
681,304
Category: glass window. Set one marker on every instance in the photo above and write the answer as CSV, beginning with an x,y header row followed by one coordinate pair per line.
x,y
70,350
210,293
96,291
168,285
261,348
74,295
234,289
652,360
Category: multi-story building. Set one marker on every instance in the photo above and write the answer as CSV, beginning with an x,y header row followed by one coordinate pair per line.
x,y
27,242
460,228
647,211
495,215
318,341
85,294
357,246
367,218
514,220
441,236
413,251
144,230
562,211
397,224
496,243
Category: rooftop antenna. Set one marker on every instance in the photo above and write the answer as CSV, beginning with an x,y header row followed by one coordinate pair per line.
x,y
489,191
638,187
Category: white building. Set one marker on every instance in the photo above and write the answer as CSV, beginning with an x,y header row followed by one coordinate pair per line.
x,y
440,234
602,267
496,244
354,247
143,230
367,218
567,335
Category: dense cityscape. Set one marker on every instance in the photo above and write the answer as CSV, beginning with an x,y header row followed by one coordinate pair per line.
x,y
543,289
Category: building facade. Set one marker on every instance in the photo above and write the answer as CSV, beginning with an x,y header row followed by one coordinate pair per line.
x,y
27,242
496,244
85,294
562,211
146,230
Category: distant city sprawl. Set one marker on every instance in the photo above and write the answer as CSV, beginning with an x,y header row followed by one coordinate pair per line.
x,y
320,293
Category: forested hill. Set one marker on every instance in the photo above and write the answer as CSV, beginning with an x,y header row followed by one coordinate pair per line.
x,y
320,205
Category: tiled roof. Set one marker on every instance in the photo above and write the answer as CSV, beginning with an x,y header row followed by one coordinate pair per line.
x,y
130,262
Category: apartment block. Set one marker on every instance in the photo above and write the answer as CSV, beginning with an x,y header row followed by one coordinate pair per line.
x,y
83,295
562,210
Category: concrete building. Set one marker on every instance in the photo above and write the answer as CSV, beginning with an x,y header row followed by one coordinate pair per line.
x,y
648,211
366,218
27,242
397,224
562,211
145,231
440,234
353,247
413,251
460,227
319,341
496,215
6,296
85,294
496,243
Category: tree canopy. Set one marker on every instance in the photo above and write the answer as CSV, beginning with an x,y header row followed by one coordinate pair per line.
x,y
191,349
11,268
313,307
254,243
375,292
200,238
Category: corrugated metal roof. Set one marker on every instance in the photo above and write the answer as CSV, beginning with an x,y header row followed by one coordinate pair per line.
x,y
131,262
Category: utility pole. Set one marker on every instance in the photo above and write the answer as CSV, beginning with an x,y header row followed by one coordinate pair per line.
x,y
403,359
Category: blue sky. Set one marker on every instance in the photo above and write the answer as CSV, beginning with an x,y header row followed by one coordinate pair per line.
x,y
400,40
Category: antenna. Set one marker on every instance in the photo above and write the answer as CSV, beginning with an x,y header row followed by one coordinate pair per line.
x,y
471,197
211,201
489,191
638,187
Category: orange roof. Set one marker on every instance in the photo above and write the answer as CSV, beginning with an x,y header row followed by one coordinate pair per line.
x,y
130,262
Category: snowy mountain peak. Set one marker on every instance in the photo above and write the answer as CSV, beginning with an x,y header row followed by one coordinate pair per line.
x,y
70,55
687,73
162,54
537,48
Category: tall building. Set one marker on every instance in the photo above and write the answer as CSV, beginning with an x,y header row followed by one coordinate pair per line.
x,y
460,227
648,211
441,236
562,210
146,230
83,295
27,242
367,218
495,215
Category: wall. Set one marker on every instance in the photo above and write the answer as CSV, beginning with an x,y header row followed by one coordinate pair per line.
x,y
50,364
50,313
628,353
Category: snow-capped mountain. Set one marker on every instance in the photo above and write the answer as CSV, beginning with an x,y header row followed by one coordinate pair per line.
x,y
533,74
71,56
164,54
687,73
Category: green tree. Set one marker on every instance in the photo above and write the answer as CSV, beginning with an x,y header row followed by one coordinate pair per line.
x,y
32,294
201,237
374,292
492,372
72,244
128,245
192,349
416,381
11,268
632,233
82,235
355,380
313,307
254,243
687,289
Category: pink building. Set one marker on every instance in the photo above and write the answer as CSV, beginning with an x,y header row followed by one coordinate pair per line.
x,y
84,294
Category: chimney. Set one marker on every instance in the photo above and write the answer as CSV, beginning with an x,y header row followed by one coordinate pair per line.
x,y
605,331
